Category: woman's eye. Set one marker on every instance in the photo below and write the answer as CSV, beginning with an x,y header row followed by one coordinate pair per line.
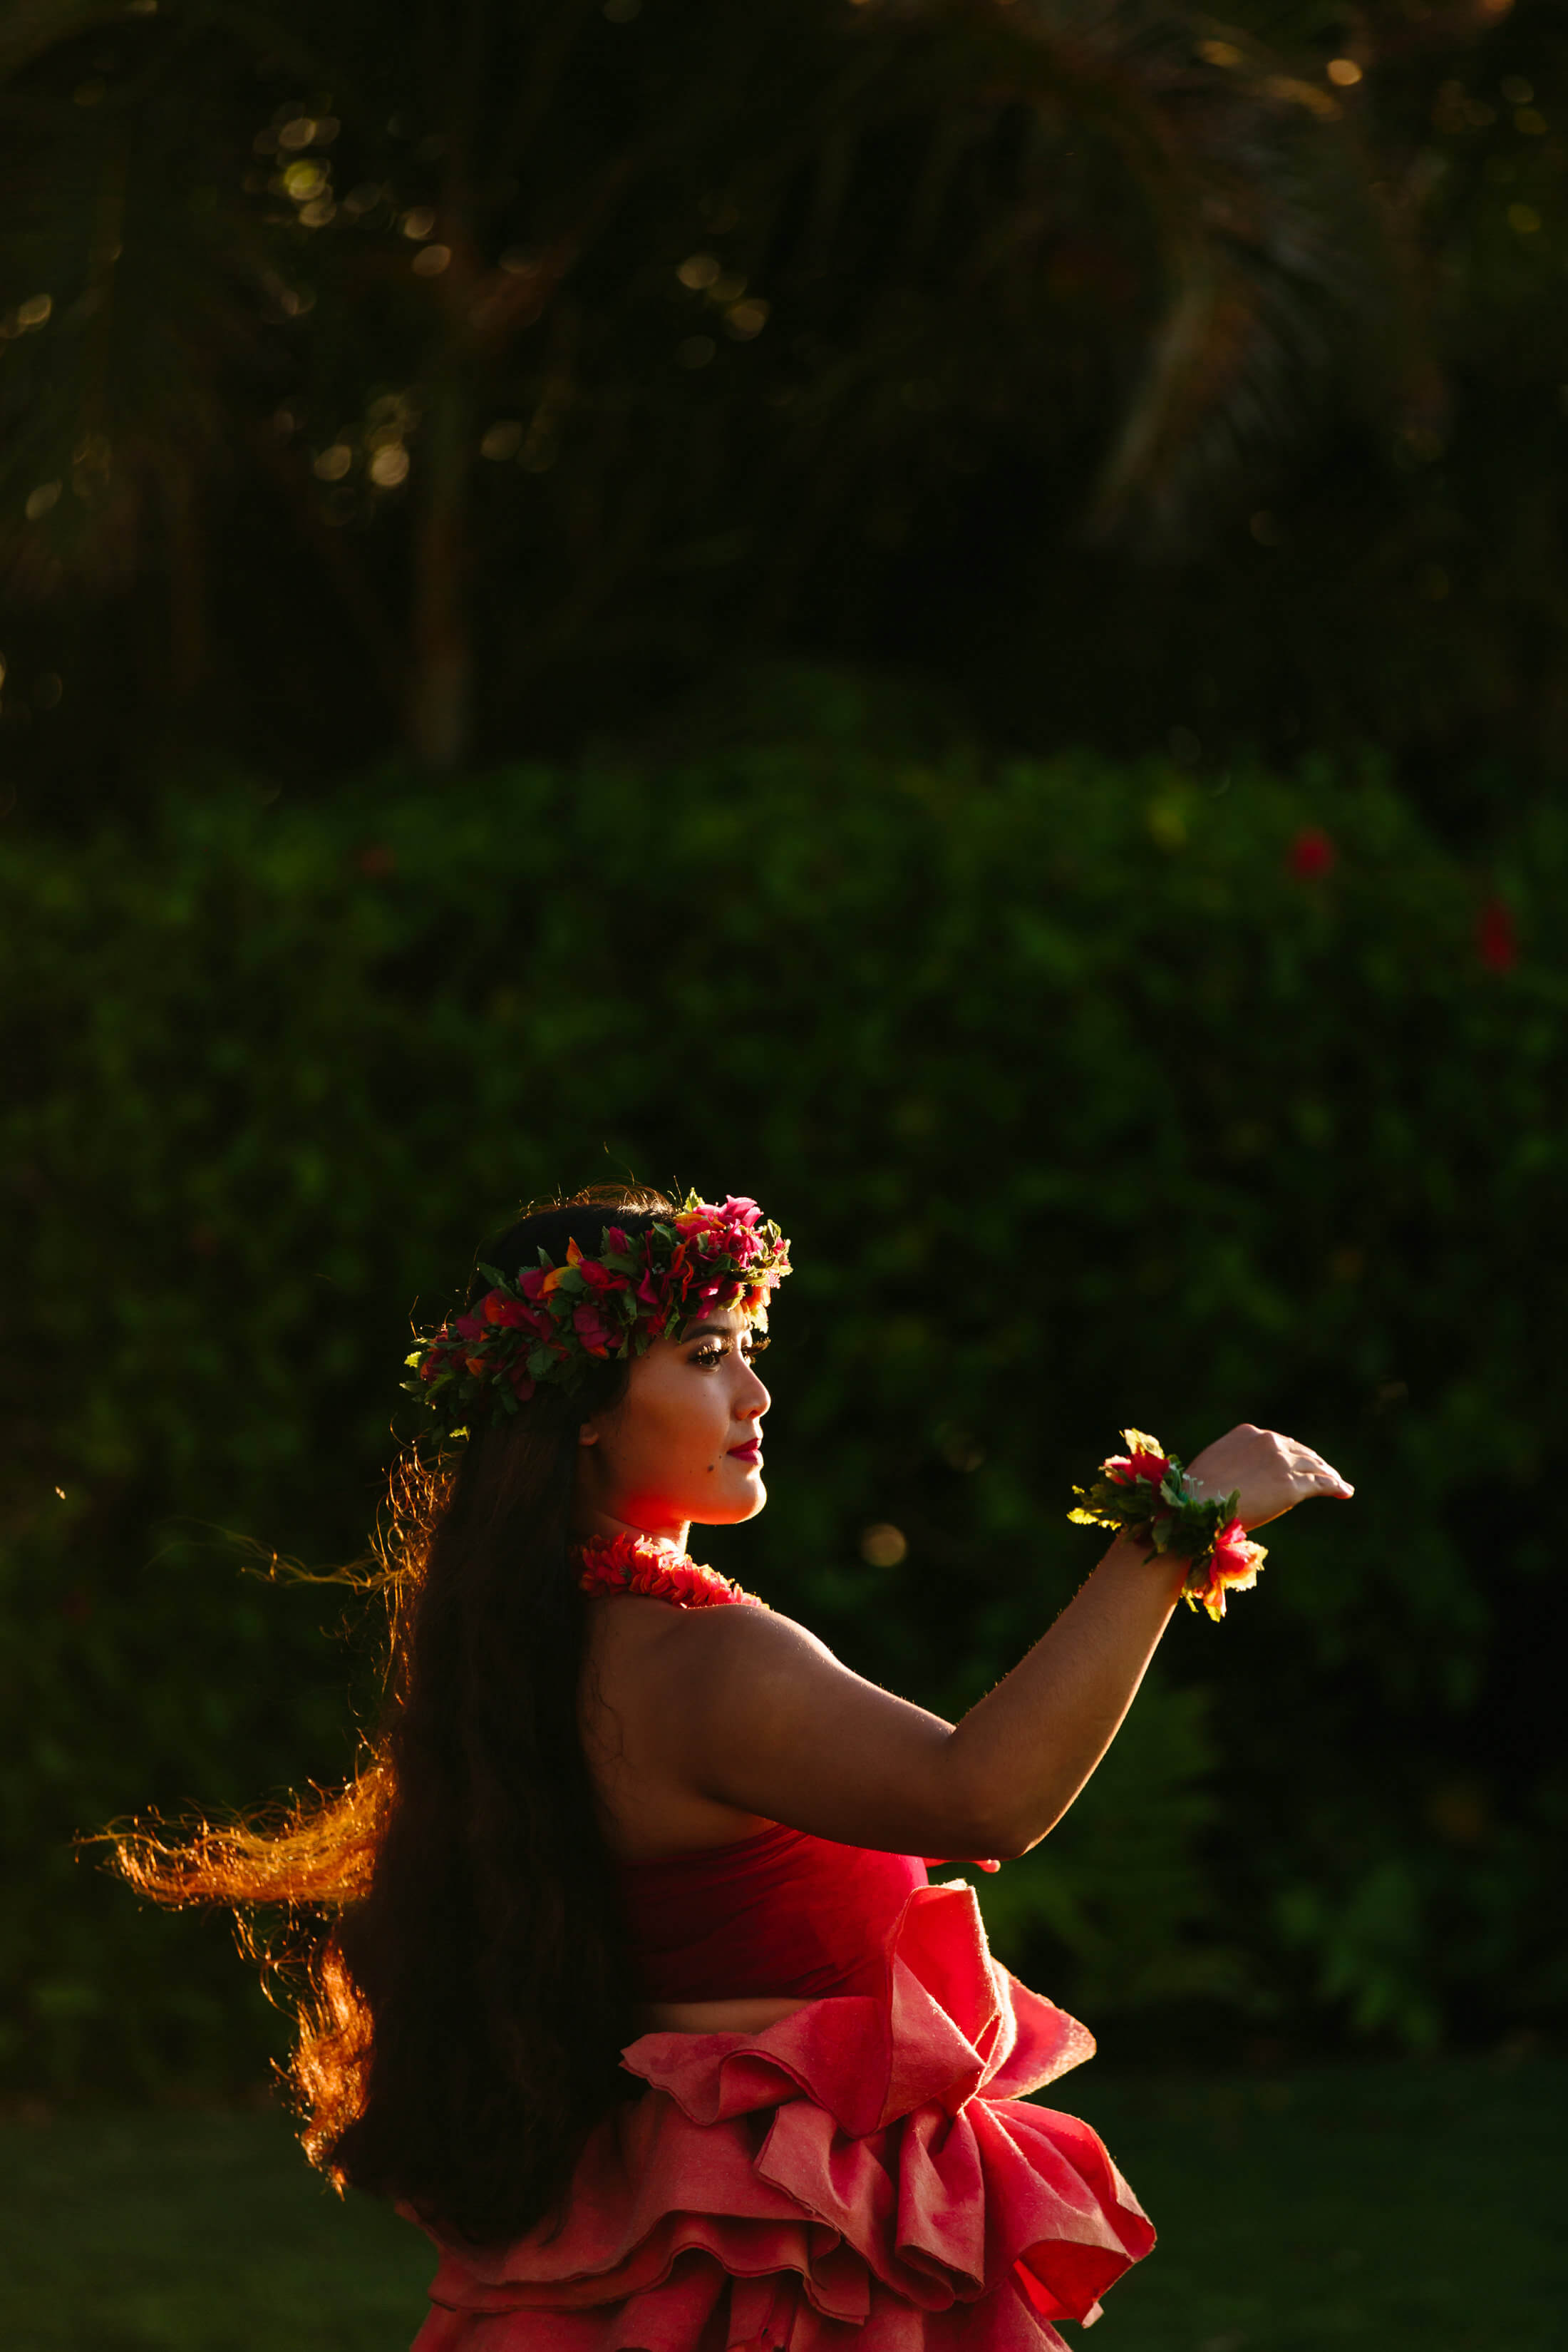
x,y
715,1351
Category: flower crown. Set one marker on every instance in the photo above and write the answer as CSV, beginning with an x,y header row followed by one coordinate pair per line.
x,y
546,1322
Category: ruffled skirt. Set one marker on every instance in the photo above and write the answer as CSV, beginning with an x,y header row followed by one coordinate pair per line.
x,y
864,2175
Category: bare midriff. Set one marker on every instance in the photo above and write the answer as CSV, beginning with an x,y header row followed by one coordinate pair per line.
x,y
749,2016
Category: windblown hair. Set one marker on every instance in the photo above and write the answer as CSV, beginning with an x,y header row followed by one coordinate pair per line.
x,y
454,1907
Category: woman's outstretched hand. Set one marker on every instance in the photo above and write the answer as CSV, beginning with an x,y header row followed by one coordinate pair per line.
x,y
1272,1474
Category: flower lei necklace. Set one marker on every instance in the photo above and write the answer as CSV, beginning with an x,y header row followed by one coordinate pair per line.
x,y
651,1566
1146,1492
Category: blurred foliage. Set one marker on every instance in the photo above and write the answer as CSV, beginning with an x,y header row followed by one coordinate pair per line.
x,y
1084,1094
1155,378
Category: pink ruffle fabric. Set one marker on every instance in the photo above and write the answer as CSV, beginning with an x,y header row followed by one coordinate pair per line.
x,y
862,2176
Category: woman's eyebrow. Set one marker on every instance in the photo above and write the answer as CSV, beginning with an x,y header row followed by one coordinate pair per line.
x,y
718,1330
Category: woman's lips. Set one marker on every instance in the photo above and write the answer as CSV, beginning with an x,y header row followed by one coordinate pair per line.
x,y
751,1451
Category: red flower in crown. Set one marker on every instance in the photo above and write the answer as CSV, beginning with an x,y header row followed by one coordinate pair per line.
x,y
653,1291
595,1335
728,1222
599,1277
661,1286
514,1314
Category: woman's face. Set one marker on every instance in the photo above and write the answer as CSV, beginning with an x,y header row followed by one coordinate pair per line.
x,y
685,1442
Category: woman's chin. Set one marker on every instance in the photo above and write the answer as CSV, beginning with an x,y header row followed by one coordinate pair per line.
x,y
727,1511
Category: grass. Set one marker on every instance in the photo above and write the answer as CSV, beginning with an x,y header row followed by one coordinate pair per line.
x,y
1390,2207
1395,2207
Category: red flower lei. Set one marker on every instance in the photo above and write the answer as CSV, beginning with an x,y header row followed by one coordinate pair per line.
x,y
648,1565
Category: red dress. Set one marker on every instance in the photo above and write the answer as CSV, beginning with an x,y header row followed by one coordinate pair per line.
x,y
864,2175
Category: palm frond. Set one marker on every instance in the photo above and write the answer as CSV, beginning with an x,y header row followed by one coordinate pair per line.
x,y
1203,198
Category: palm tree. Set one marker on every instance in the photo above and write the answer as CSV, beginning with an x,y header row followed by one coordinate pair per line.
x,y
587,296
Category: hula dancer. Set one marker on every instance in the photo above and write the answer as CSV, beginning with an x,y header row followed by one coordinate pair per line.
x,y
627,1981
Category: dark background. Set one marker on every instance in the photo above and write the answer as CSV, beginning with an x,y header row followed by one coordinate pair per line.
x,y
951,616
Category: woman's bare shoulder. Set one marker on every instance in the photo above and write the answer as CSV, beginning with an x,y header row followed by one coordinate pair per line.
x,y
672,1672
693,1641
657,1642
749,1709
651,1666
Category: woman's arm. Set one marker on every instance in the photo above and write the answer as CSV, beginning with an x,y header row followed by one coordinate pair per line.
x,y
1083,1674
753,1711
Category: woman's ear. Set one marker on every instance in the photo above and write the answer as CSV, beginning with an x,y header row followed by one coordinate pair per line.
x,y
588,1432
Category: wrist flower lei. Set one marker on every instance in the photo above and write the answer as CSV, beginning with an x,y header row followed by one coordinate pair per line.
x,y
1147,1492
545,1322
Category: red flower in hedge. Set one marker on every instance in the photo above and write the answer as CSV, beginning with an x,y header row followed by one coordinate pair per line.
x,y
1311,854
1497,940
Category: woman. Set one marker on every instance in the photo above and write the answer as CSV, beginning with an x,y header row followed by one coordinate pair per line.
x,y
629,1984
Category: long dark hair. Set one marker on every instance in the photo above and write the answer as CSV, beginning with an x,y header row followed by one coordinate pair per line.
x,y
454,1909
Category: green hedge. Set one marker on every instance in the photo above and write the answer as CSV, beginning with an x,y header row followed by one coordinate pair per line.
x,y
1082,1103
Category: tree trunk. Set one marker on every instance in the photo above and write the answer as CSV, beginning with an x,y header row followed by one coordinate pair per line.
x,y
439,719
187,590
